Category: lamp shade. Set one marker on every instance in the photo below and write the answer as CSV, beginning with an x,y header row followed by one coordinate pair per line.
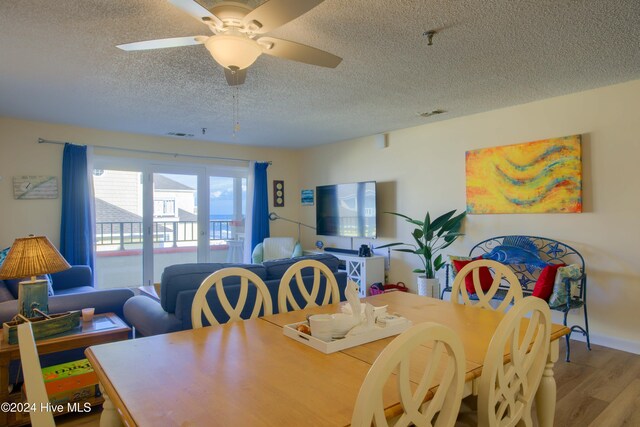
x,y
235,52
32,256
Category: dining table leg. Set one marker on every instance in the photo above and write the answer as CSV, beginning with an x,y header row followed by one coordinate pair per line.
x,y
109,416
546,394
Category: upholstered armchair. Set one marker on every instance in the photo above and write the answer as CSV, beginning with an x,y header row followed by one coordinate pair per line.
x,y
276,248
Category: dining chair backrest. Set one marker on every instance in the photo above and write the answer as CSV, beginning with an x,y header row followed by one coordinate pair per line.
x,y
34,383
444,369
482,298
506,390
200,305
330,290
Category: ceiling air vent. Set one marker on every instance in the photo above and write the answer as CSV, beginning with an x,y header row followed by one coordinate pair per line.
x,y
432,113
181,134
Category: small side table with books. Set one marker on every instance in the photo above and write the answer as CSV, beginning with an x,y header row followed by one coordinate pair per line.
x,y
102,329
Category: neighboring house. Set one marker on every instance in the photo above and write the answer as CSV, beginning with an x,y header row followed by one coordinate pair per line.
x,y
119,213
170,197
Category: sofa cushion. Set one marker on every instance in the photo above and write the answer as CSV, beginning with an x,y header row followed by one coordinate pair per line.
x,y
78,275
276,268
5,293
76,290
182,277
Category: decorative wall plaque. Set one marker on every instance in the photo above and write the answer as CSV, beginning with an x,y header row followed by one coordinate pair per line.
x,y
35,187
278,193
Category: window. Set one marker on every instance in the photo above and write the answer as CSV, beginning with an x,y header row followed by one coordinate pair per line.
x,y
164,207
148,217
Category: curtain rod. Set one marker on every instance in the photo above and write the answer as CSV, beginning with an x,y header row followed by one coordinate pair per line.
x,y
133,150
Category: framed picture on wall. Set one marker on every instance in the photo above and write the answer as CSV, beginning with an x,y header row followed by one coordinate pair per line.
x,y
278,193
35,187
306,197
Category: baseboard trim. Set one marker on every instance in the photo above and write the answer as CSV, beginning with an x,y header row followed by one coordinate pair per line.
x,y
608,341
603,340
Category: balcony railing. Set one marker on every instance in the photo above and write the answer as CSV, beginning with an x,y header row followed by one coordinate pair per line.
x,y
130,233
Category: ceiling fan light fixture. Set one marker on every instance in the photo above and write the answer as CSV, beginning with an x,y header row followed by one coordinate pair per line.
x,y
235,52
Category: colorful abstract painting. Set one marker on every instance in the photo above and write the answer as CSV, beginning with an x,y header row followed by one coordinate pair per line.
x,y
535,177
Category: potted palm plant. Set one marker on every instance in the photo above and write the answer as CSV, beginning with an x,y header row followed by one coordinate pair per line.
x,y
430,238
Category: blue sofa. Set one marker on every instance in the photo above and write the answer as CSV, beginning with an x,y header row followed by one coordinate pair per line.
x,y
72,290
179,284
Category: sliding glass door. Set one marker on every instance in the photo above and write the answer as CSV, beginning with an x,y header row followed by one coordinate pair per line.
x,y
150,216
119,229
175,221
227,213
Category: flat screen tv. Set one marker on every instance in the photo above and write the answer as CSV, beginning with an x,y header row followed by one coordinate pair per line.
x,y
347,210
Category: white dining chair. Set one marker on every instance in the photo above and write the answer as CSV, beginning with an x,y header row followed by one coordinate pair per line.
x,y
485,299
34,383
445,369
201,306
331,293
513,367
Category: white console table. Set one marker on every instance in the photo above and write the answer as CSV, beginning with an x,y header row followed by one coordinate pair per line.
x,y
365,271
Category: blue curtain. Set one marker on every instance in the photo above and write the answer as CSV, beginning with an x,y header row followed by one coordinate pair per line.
x,y
76,229
260,217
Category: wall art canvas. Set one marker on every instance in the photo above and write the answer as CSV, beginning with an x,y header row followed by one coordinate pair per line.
x,y
306,197
535,177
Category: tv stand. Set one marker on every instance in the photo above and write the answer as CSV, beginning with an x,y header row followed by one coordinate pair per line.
x,y
365,271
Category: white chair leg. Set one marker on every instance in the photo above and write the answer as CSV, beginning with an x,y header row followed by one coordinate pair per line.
x,y
109,416
546,394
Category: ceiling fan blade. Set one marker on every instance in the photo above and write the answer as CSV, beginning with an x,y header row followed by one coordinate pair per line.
x,y
299,52
163,43
235,78
275,13
198,11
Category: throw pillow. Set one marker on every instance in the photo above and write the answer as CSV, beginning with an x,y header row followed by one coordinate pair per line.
x,y
486,279
545,282
453,258
3,254
49,283
559,296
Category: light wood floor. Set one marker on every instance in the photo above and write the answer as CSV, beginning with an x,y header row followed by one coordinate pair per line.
x,y
599,388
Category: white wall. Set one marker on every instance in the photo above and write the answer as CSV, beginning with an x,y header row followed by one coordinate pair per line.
x,y
20,154
423,169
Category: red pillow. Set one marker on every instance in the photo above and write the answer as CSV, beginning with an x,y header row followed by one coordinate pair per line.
x,y
544,285
486,279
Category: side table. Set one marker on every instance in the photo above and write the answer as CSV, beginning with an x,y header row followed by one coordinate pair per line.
x,y
104,328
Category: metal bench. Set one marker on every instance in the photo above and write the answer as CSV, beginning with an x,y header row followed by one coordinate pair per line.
x,y
527,256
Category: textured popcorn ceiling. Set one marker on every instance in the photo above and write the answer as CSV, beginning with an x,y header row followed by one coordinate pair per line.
x,y
58,63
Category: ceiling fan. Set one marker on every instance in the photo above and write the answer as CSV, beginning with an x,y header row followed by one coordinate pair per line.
x,y
237,39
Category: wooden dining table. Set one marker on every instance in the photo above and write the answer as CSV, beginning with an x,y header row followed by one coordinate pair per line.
x,y
250,373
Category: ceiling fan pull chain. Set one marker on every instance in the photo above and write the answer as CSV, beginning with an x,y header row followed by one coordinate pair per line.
x,y
236,103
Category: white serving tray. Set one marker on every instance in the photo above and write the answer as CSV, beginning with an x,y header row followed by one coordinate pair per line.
x,y
377,333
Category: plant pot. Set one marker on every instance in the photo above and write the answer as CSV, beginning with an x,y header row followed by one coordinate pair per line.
x,y
428,287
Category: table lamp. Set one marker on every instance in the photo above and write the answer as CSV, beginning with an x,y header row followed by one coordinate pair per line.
x,y
30,257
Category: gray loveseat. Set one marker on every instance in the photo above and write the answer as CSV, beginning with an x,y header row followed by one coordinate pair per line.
x,y
179,284
72,290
